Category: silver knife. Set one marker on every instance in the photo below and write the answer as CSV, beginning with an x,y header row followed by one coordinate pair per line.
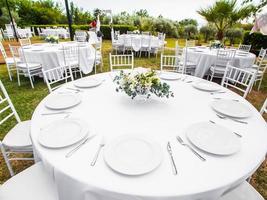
x,y
169,149
74,89
79,146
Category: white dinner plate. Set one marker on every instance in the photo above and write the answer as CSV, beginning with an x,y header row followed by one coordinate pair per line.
x,y
37,49
231,108
63,133
207,86
169,76
87,83
133,155
26,47
213,138
62,101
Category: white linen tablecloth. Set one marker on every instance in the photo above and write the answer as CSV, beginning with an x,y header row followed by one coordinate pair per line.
x,y
205,58
112,114
51,55
61,32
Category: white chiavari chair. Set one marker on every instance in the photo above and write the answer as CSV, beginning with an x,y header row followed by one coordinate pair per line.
x,y
10,64
130,32
27,69
239,79
125,61
146,45
136,44
171,63
117,42
25,42
242,192
57,76
9,32
145,33
80,36
264,107
190,43
218,68
17,140
72,58
243,47
127,44
31,184
98,56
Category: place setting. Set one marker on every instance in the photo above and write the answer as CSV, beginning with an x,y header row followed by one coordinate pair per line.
x,y
88,83
170,76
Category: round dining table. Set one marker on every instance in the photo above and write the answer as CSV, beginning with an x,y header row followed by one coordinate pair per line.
x,y
205,57
51,55
112,114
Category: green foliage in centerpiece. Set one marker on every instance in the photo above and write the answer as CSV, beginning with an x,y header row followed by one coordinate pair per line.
x,y
143,84
52,39
216,44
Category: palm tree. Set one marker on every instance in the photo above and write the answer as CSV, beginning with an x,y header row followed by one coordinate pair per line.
x,y
224,13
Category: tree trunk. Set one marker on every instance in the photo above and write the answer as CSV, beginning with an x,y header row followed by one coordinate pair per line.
x,y
220,35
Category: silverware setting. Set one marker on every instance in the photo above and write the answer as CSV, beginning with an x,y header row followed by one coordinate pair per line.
x,y
101,145
74,89
69,154
219,92
235,120
184,78
219,98
169,149
189,81
180,140
237,134
56,113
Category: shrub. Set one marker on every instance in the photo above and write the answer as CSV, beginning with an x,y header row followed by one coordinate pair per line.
x,y
208,32
233,34
257,40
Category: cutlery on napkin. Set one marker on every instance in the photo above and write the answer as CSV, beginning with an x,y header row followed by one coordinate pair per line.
x,y
169,149
101,145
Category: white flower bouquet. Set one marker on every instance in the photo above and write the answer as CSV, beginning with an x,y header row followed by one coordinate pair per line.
x,y
52,39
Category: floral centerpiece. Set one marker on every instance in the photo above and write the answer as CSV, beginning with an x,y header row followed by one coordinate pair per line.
x,y
216,44
136,32
52,39
142,84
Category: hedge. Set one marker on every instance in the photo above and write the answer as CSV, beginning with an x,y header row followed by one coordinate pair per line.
x,y
105,29
257,40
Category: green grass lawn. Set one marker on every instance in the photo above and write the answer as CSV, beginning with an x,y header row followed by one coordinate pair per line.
x,y
26,99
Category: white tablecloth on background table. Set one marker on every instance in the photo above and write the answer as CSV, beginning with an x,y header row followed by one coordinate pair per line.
x,y
52,56
113,114
24,33
204,58
56,32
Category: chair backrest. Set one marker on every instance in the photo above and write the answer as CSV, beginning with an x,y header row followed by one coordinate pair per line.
x,y
145,33
2,49
125,61
264,107
190,43
146,42
239,79
136,43
127,41
57,76
25,42
80,36
171,63
262,57
7,109
161,36
224,56
244,47
17,54
130,32
71,54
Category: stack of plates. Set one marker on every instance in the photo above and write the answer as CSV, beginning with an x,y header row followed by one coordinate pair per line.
x,y
62,101
231,108
133,155
63,133
87,83
207,86
213,138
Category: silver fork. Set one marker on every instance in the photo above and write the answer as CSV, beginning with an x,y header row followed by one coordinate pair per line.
x,y
74,89
101,145
219,92
235,120
180,140
237,134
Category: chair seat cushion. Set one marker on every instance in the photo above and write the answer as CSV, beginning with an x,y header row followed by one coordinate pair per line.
x,y
30,65
31,184
243,192
19,136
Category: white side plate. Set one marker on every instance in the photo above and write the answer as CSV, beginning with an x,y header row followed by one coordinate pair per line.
x,y
62,101
207,86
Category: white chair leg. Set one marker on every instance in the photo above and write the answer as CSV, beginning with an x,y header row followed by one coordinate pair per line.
x,y
211,77
6,160
18,77
259,86
9,72
31,81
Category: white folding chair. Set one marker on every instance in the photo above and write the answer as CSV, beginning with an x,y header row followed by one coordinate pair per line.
x,y
243,47
57,76
10,64
239,79
171,63
145,33
125,61
17,140
190,43
136,43
25,42
243,192
31,184
98,56
72,58
27,69
80,36
223,57
264,107
146,45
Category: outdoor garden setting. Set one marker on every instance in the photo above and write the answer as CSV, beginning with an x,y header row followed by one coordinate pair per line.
x,y
120,104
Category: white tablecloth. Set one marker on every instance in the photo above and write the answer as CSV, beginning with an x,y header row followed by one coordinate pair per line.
x,y
51,55
61,32
204,58
113,114
24,33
